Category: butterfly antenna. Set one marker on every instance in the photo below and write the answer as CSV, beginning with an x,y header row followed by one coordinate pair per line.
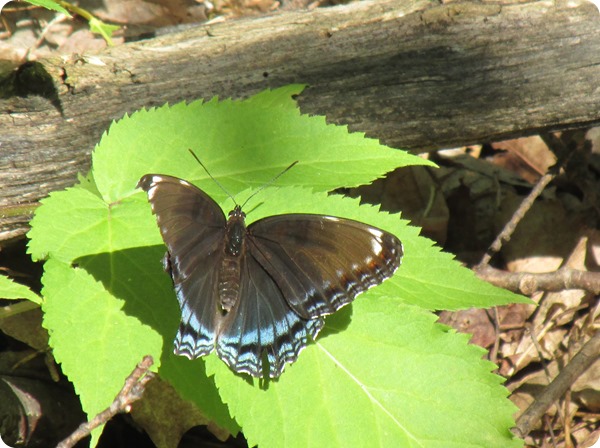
x,y
211,176
269,183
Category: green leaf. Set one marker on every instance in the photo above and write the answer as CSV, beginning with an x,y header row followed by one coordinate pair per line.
x,y
84,224
243,143
93,338
96,25
382,375
9,289
104,226
104,29
131,300
50,4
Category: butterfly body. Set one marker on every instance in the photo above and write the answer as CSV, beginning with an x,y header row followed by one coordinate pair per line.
x,y
233,253
246,292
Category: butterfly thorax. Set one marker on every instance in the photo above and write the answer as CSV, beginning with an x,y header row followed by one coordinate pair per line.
x,y
233,248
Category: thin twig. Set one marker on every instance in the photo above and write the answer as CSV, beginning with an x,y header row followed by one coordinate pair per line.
x,y
588,354
496,346
527,203
527,282
567,419
130,393
516,218
57,19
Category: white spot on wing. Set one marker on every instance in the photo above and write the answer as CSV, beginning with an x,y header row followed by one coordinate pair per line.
x,y
376,246
151,192
376,242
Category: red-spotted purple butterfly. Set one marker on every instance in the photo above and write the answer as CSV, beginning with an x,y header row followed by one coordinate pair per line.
x,y
247,292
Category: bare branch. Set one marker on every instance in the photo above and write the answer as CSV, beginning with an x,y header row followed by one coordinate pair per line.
x,y
588,354
509,228
130,393
527,283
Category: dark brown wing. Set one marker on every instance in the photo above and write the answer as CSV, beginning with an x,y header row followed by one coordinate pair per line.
x,y
321,263
262,322
193,227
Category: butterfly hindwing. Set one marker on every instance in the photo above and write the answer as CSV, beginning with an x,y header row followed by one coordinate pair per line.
x,y
262,322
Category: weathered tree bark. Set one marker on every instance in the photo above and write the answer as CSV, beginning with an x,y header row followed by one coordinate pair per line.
x,y
413,74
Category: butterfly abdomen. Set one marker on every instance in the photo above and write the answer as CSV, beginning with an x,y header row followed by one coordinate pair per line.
x,y
229,282
229,272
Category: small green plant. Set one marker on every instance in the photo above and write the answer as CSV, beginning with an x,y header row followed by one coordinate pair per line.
x,y
382,372
96,25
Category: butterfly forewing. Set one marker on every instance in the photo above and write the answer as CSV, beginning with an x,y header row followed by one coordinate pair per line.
x,y
278,277
321,263
193,227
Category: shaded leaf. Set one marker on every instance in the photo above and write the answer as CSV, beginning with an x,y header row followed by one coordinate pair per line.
x,y
12,290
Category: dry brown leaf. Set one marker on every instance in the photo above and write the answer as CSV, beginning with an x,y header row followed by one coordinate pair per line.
x,y
592,440
528,157
83,41
474,321
26,327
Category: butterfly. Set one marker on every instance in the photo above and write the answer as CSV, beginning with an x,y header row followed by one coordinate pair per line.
x,y
261,291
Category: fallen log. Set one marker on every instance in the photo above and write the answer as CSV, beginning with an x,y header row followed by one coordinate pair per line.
x,y
416,75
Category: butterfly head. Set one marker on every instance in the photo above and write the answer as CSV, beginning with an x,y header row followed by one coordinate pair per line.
x,y
237,213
